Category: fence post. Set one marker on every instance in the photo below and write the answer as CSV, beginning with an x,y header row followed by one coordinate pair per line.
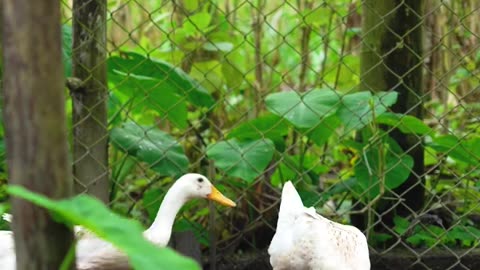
x,y
35,125
391,59
90,135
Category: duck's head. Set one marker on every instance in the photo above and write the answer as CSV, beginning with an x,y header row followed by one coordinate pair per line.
x,y
198,186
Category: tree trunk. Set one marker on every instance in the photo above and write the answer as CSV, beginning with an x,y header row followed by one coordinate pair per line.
x,y
90,136
35,123
391,60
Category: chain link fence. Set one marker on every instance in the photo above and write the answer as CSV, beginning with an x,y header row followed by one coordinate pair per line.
x,y
369,107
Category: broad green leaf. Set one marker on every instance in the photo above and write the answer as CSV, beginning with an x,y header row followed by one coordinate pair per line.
x,y
245,160
233,69
292,166
320,134
397,168
212,80
266,126
123,233
465,150
303,110
151,145
144,93
162,74
405,123
356,109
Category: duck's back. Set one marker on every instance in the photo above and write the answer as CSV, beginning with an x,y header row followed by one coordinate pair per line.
x,y
316,243
305,240
7,251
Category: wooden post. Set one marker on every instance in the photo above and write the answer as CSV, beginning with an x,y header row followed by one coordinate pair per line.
x,y
90,136
35,128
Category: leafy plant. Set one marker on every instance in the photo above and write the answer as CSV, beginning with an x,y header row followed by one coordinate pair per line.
x,y
161,151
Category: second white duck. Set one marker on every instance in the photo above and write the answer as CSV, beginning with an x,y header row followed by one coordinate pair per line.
x,y
304,240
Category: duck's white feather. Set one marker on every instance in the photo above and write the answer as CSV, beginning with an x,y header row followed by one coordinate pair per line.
x,y
305,240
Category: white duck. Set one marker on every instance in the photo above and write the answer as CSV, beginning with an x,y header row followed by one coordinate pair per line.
x,y
304,240
94,253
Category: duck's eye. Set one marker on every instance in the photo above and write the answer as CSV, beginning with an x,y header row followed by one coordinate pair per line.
x,y
200,180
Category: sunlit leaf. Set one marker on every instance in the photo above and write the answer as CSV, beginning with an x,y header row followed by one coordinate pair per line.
x,y
356,109
245,160
303,110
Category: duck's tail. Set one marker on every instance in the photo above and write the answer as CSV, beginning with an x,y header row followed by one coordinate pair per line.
x,y
291,201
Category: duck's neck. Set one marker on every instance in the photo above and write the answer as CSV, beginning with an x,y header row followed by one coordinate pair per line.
x,y
161,229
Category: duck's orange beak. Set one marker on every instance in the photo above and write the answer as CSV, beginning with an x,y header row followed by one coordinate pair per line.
x,y
218,197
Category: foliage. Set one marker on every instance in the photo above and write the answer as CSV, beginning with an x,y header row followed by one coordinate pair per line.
x,y
125,234
185,94
429,235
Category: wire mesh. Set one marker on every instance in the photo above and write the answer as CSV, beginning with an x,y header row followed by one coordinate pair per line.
x,y
255,93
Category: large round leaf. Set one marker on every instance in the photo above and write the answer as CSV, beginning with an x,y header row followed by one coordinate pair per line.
x,y
266,126
405,123
163,73
303,110
396,169
151,145
356,109
245,160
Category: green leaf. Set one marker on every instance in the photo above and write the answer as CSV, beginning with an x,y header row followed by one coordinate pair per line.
x,y
397,168
356,109
190,5
266,126
401,225
379,238
161,74
123,233
151,145
67,49
245,160
467,151
218,46
198,22
303,110
405,123
464,233
290,167
320,134
151,200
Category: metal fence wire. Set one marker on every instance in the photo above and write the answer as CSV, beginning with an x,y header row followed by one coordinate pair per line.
x,y
369,107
